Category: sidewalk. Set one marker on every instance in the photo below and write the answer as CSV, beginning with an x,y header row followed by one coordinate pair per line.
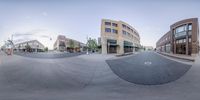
x,y
179,56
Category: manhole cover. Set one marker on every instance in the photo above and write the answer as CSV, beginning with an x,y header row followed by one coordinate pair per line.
x,y
147,63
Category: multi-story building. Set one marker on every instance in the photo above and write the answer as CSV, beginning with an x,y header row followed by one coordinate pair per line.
x,y
118,37
66,44
148,48
183,38
29,46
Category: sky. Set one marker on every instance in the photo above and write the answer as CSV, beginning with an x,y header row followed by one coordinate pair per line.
x,y
77,19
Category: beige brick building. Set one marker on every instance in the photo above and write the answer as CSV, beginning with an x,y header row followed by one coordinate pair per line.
x,y
66,44
118,37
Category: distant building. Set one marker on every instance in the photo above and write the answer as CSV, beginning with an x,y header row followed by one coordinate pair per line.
x,y
118,37
183,38
66,44
29,46
148,48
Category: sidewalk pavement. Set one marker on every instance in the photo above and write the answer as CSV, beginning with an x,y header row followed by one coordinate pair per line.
x,y
179,56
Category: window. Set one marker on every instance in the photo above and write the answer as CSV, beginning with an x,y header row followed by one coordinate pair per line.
x,y
135,33
190,27
128,33
128,28
184,40
189,39
180,41
114,31
181,29
131,30
190,33
107,23
124,26
168,47
176,41
107,30
114,24
124,32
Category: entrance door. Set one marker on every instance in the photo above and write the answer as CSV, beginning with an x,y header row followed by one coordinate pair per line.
x,y
181,48
112,49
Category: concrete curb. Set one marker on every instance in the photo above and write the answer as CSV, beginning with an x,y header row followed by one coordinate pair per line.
x,y
178,57
124,54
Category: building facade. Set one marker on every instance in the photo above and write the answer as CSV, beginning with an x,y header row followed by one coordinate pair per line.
x,y
183,38
148,48
66,44
118,37
29,46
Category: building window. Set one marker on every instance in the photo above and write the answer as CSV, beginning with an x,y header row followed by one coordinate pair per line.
x,y
189,39
190,27
181,29
108,23
114,31
131,35
124,26
135,33
184,40
114,24
128,33
124,32
180,41
168,47
176,41
189,32
107,30
128,28
131,30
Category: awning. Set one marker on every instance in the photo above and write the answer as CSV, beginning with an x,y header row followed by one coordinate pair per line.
x,y
128,44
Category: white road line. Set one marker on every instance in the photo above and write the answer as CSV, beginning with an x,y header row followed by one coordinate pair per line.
x,y
147,62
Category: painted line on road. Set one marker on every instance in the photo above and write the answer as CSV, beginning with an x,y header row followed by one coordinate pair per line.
x,y
147,62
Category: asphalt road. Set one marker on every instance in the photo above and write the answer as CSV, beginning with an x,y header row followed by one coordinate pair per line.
x,y
49,55
148,68
84,77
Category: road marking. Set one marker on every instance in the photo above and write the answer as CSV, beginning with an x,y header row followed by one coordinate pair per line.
x,y
147,62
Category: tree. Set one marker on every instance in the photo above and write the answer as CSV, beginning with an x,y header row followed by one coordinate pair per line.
x,y
46,49
19,47
92,44
71,45
28,47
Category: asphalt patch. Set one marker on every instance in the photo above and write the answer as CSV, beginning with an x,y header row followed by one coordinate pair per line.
x,y
148,68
